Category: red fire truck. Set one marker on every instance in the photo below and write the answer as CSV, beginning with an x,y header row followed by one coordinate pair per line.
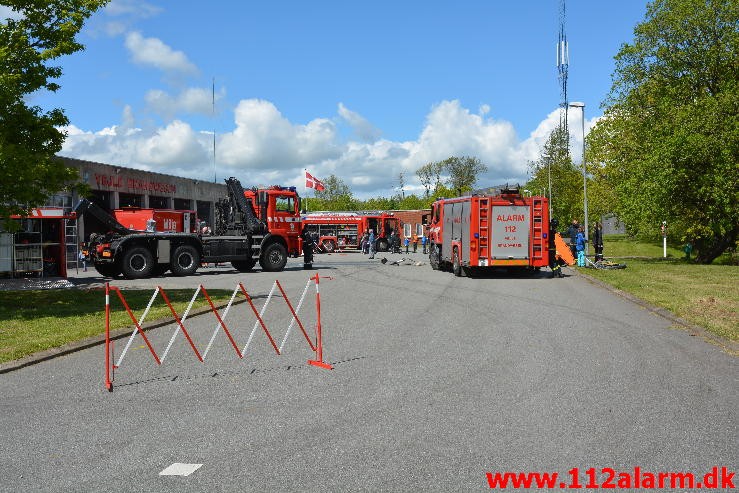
x,y
344,229
255,225
505,229
175,221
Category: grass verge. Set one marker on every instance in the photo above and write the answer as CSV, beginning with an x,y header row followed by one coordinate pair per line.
x,y
32,321
706,295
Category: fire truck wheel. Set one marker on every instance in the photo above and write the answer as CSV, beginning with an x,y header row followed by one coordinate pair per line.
x,y
382,245
457,268
328,245
243,265
434,259
185,260
273,258
108,270
138,263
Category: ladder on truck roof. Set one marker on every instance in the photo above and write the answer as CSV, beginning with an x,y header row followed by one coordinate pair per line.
x,y
537,227
484,228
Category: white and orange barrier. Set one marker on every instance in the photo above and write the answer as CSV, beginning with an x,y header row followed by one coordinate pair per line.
x,y
316,347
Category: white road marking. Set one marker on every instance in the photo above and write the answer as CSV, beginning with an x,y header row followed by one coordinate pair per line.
x,y
179,469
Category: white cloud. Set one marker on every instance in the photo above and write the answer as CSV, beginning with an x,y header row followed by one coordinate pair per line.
x,y
133,8
8,13
265,148
362,128
193,100
154,53
263,139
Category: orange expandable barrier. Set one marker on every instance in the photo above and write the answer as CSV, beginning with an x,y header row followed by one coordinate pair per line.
x,y
563,250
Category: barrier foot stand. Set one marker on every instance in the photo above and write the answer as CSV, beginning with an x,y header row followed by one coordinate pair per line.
x,y
320,364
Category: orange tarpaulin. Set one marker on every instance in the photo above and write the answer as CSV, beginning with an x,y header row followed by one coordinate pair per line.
x,y
563,250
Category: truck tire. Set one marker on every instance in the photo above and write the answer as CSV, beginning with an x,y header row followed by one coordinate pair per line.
x,y
185,260
138,263
243,265
108,270
434,257
273,258
457,268
382,245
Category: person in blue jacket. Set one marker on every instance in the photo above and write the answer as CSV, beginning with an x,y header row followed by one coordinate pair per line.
x,y
580,246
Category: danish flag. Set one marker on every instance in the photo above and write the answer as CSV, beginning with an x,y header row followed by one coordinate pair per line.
x,y
313,182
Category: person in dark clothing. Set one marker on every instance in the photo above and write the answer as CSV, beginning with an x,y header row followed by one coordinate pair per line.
x,y
308,245
598,241
572,232
554,262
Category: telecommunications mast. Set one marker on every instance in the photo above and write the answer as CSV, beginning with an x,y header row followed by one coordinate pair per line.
x,y
563,62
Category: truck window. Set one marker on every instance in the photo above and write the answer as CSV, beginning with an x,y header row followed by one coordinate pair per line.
x,y
284,204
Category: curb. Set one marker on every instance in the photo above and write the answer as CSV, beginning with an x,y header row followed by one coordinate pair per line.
x,y
97,340
694,330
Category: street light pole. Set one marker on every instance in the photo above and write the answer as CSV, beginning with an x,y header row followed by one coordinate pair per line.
x,y
580,105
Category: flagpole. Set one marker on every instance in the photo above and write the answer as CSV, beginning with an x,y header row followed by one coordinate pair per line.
x,y
305,187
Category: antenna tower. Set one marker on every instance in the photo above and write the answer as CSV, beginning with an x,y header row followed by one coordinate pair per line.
x,y
563,62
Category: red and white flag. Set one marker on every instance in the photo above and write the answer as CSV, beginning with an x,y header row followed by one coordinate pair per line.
x,y
313,182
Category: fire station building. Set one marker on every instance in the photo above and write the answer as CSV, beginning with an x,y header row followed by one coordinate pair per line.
x,y
48,240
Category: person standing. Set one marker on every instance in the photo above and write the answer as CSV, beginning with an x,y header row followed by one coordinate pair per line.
x,y
572,231
83,260
406,242
423,244
598,241
371,241
414,240
365,242
307,248
580,247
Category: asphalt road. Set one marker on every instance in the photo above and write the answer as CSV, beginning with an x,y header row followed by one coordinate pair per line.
x,y
437,381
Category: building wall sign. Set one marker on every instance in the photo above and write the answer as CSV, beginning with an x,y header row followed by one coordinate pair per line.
x,y
133,184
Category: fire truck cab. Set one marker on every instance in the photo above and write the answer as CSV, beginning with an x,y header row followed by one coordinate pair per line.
x,y
505,229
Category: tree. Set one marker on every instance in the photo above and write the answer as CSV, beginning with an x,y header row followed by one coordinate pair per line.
x,y
29,136
566,179
335,196
668,145
463,172
430,176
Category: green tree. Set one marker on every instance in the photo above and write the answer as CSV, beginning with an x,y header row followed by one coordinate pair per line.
x,y
463,172
430,176
668,145
336,196
566,179
29,136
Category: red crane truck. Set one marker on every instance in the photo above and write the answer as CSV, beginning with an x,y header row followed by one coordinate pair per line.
x,y
176,221
505,229
256,225
345,229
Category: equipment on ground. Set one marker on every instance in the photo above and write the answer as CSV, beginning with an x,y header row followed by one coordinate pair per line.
x,y
505,229
256,225
345,229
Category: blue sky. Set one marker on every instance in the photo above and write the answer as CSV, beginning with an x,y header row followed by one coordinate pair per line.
x,y
360,90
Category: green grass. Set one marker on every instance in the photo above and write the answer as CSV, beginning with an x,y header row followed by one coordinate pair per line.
x,y
32,321
623,246
706,295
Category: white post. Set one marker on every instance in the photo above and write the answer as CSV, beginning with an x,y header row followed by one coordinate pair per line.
x,y
664,239
664,246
